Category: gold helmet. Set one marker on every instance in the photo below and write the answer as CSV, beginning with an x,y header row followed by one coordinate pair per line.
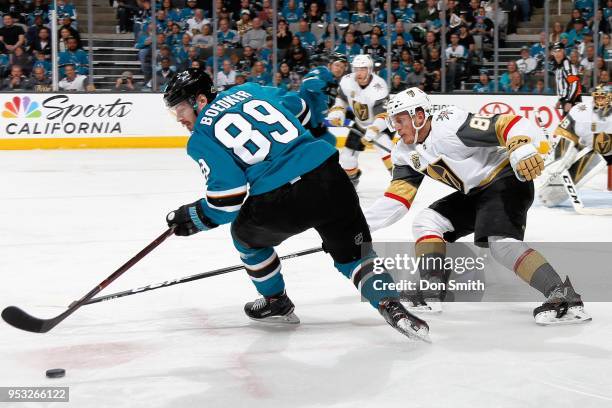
x,y
602,98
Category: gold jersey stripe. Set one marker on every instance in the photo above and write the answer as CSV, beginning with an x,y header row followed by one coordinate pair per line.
x,y
567,134
528,264
502,125
487,180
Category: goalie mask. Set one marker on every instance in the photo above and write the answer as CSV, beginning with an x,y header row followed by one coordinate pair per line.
x,y
602,98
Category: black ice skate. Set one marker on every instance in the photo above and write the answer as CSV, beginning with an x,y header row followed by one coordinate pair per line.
x,y
403,321
563,306
417,303
276,309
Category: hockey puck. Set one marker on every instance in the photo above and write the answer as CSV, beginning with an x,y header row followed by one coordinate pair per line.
x,y
56,373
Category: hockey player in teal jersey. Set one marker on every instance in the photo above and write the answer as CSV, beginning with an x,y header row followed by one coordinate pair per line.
x,y
246,139
319,89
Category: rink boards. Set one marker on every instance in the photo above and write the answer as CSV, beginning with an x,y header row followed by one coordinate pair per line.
x,y
140,120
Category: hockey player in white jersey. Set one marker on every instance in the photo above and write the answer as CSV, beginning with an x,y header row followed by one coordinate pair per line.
x,y
491,161
366,94
585,146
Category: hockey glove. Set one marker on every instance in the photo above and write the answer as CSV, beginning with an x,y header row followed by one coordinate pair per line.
x,y
336,116
371,134
189,219
524,158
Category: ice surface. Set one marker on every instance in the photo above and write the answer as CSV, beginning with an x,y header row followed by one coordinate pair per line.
x,y
69,218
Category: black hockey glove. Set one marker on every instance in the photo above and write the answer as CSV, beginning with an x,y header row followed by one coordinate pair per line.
x,y
189,219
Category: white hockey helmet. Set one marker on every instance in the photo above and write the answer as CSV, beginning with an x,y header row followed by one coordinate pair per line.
x,y
362,61
409,101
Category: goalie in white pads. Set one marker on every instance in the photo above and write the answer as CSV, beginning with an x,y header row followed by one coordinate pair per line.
x,y
584,148
491,162
366,94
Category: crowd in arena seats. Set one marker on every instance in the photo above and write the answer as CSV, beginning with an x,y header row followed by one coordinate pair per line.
x,y
304,33
25,46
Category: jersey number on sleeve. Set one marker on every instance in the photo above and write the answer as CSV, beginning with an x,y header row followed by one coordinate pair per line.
x,y
250,145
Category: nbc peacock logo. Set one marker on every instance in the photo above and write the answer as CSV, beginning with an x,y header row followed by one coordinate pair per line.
x,y
21,108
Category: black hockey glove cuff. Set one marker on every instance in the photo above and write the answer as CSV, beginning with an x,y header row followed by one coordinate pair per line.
x,y
189,219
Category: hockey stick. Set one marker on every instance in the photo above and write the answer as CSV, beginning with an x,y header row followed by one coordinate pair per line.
x,y
374,142
16,317
191,278
570,187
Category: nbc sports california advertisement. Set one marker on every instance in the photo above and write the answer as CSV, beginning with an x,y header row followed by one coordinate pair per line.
x,y
39,121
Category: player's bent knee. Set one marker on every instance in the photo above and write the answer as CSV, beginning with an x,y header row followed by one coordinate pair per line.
x,y
430,222
507,251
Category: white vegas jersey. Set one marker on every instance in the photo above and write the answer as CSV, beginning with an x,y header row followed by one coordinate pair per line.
x,y
367,103
463,150
587,127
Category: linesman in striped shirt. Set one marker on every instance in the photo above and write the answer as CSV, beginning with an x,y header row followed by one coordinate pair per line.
x,y
567,79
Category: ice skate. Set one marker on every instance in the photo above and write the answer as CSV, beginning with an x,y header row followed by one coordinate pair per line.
x,y
563,306
403,321
272,309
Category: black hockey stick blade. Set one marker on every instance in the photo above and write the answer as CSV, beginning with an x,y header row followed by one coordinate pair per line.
x,y
22,320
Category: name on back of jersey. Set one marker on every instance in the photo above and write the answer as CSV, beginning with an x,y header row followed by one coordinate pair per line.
x,y
219,106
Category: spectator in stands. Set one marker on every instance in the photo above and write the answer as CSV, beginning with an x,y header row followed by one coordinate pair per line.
x,y
226,77
576,33
314,15
16,81
349,46
428,14
456,55
342,13
79,59
67,24
265,54
40,81
11,35
283,35
204,40
605,48
574,58
525,9
526,65
259,75
516,84
380,14
256,36
557,30
397,85
307,39
538,50
291,13
576,14
604,23
395,70
361,15
484,84
197,22
587,40
42,44
504,80
587,64
403,13
143,44
225,36
65,9
175,38
467,40
400,32
285,72
604,77
125,82
141,16
244,24
399,45
193,55
14,9
266,13
539,88
23,59
280,82
181,51
72,81
374,48
33,29
189,11
64,35
297,58
164,52
417,76
430,43
40,60
433,81
331,28
247,60
586,7
165,72
173,13
434,63
406,60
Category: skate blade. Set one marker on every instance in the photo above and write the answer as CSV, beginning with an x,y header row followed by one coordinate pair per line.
x,y
406,329
289,319
574,315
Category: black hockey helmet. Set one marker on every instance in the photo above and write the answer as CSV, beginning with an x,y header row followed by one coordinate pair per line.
x,y
187,85
336,56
